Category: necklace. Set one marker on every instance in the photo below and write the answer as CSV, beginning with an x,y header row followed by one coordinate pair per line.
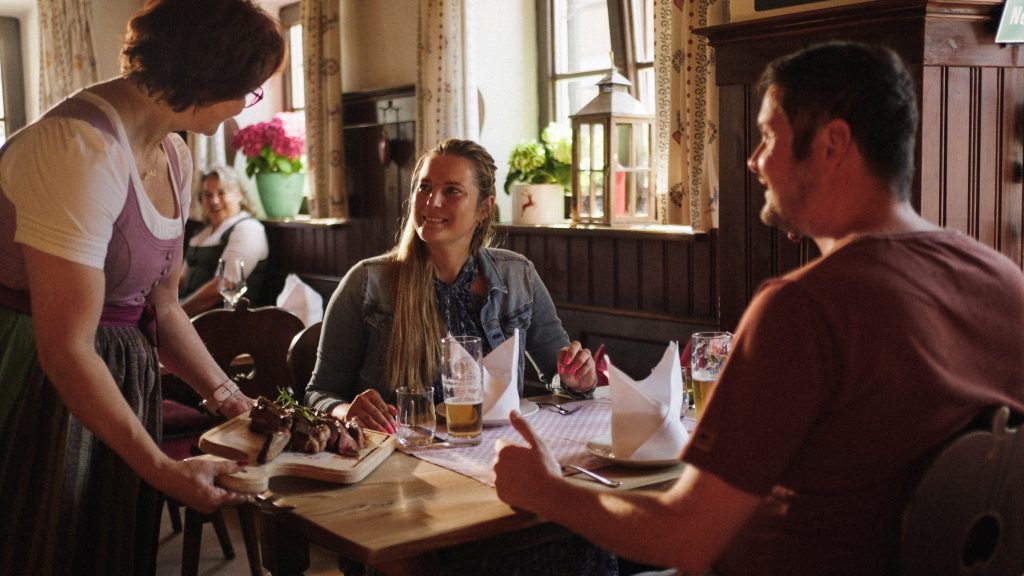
x,y
148,174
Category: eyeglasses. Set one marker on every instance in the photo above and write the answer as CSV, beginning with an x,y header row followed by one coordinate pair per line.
x,y
252,98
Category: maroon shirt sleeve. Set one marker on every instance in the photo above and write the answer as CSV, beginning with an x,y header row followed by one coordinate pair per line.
x,y
773,388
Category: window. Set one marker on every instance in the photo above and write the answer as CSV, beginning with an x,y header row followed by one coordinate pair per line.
x,y
578,39
12,89
3,113
294,72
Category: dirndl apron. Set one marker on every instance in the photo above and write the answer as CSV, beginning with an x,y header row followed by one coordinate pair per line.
x,y
68,503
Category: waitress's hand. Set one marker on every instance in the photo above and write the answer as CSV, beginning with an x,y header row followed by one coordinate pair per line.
x,y
373,412
236,404
191,482
576,367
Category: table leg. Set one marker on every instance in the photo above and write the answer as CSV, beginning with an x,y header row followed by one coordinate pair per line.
x,y
285,550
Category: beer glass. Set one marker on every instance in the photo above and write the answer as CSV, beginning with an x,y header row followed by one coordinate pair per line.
x,y
463,382
416,420
709,351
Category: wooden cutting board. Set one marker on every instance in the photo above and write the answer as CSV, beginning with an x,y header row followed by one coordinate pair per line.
x,y
233,440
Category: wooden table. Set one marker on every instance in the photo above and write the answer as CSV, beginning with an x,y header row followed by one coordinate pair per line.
x,y
407,516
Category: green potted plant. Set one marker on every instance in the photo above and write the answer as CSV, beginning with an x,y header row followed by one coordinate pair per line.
x,y
274,155
539,177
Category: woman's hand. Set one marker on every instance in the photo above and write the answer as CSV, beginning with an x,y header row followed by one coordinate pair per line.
x,y
236,404
191,482
576,367
373,412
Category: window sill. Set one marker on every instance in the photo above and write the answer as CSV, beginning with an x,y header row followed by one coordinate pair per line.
x,y
304,221
663,231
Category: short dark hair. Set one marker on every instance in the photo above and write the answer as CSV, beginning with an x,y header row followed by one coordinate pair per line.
x,y
196,52
868,87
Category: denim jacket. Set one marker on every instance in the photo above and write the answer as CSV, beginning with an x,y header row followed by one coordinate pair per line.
x,y
358,323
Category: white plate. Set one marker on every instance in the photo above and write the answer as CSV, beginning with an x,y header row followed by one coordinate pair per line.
x,y
526,408
601,446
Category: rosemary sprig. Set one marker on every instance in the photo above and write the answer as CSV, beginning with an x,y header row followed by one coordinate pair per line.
x,y
285,400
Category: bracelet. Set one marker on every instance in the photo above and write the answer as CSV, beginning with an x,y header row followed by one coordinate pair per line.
x,y
220,394
557,387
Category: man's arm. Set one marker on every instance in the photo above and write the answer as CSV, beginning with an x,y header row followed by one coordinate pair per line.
x,y
686,527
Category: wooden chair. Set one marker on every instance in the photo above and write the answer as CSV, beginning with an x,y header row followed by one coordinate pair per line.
x,y
302,356
251,345
964,514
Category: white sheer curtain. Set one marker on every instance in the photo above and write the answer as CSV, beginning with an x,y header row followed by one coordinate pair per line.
x,y
446,99
321,50
68,57
687,155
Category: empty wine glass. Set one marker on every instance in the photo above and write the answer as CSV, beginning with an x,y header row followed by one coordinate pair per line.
x,y
231,280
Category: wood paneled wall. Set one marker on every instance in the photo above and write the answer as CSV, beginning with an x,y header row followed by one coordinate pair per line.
x,y
970,142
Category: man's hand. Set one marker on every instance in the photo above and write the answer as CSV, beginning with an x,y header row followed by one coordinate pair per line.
x,y
523,474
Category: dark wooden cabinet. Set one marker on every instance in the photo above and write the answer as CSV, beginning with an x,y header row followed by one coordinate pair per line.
x,y
971,94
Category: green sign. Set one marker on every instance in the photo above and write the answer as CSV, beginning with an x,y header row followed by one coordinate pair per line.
x,y
1011,27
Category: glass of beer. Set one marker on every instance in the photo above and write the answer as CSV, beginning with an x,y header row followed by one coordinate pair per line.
x,y
710,349
416,420
463,382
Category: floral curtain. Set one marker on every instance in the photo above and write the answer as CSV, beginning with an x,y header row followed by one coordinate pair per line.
x,y
68,59
446,103
321,48
687,155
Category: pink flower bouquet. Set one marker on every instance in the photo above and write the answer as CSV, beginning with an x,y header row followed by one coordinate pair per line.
x,y
275,146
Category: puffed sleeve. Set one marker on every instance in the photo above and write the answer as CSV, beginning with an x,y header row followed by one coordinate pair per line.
x,y
68,183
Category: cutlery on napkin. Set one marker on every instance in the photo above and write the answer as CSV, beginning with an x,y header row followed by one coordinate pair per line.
x,y
501,372
645,413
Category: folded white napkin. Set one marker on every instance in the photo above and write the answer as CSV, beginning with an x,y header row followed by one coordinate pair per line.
x,y
645,414
501,372
300,299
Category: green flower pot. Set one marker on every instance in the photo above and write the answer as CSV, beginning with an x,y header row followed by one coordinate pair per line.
x,y
281,194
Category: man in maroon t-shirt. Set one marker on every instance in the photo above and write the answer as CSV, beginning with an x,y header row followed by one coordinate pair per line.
x,y
843,372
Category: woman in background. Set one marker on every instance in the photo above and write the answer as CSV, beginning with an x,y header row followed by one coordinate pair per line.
x,y
232,234
93,201
383,325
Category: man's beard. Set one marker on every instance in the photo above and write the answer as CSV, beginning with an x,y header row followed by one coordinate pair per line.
x,y
772,216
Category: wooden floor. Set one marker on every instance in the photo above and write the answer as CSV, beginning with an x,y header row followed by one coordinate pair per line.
x,y
211,559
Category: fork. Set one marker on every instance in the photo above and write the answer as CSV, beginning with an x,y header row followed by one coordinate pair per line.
x,y
574,469
559,408
268,504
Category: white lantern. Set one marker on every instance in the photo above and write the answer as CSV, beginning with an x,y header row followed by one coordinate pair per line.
x,y
612,173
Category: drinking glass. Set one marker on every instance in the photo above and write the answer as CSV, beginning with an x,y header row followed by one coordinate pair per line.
x,y
463,382
231,280
710,349
416,420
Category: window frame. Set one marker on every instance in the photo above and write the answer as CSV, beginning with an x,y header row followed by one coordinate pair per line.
x,y
290,15
620,26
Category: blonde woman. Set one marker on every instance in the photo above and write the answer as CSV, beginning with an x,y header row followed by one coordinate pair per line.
x,y
231,233
383,325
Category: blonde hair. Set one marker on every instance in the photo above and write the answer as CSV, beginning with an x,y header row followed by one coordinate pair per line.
x,y
413,357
